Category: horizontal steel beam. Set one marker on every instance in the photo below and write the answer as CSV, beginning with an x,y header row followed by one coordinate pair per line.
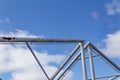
x,y
88,57
105,77
17,39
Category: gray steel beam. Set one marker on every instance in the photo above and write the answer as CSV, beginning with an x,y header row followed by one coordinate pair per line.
x,y
88,57
17,39
115,77
83,61
69,66
106,58
102,77
37,60
100,55
91,63
65,62
73,61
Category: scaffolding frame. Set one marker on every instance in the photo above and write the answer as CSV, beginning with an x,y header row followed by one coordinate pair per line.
x,y
67,64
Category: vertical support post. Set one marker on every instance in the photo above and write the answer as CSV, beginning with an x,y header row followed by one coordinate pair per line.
x,y
91,63
83,61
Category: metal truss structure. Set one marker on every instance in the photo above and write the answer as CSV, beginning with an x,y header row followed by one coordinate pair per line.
x,y
78,54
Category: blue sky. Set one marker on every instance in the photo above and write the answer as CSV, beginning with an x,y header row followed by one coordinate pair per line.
x,y
96,21
60,19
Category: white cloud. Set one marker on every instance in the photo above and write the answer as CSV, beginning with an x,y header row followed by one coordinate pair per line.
x,y
95,15
112,45
113,7
18,33
18,60
5,20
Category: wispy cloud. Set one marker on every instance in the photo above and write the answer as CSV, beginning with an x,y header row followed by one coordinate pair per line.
x,y
18,61
113,7
95,15
5,20
18,33
112,45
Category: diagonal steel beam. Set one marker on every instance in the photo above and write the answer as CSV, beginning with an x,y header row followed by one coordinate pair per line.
x,y
37,60
106,58
72,62
78,57
65,62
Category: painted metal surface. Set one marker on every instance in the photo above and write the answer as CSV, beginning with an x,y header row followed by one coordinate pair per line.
x,y
80,56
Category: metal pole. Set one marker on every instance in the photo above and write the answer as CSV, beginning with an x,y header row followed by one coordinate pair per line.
x,y
69,65
105,77
65,62
37,60
76,58
115,77
116,67
83,62
18,39
91,63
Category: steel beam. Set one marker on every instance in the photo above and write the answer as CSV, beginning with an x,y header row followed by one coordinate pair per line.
x,y
115,77
76,58
65,62
37,60
83,62
69,65
106,58
102,77
91,63
17,39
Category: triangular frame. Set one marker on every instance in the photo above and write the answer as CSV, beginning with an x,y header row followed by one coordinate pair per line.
x,y
78,56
